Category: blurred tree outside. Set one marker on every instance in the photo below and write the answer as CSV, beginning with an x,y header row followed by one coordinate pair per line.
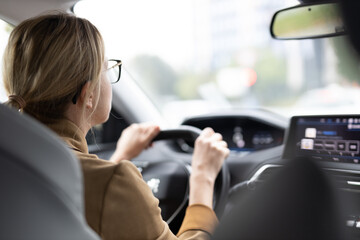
x,y
270,86
9,28
189,82
161,82
348,61
155,76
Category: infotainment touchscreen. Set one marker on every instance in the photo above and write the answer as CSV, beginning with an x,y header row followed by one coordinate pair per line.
x,y
324,138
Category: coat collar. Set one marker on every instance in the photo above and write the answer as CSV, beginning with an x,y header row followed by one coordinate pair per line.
x,y
71,134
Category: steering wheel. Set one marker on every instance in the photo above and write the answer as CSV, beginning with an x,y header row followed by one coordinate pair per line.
x,y
222,183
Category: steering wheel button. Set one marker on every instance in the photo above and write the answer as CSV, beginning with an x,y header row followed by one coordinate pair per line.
x,y
350,223
357,224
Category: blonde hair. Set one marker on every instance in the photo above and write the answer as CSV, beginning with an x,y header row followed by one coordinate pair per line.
x,y
48,59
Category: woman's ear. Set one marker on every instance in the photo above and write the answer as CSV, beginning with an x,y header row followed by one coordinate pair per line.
x,y
87,96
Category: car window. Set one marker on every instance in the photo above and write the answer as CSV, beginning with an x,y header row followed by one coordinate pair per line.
x,y
195,56
5,30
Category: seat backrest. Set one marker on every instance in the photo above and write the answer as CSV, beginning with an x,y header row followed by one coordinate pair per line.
x,y
299,202
41,191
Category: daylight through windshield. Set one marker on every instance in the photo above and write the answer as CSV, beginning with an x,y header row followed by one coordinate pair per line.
x,y
196,56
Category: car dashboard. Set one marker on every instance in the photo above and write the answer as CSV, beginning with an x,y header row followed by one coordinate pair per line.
x,y
242,133
261,143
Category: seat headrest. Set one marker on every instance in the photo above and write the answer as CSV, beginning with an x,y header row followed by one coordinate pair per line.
x,y
40,183
23,136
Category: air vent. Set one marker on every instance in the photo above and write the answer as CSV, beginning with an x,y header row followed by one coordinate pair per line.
x,y
347,180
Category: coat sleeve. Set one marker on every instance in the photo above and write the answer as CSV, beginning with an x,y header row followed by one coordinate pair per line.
x,y
130,211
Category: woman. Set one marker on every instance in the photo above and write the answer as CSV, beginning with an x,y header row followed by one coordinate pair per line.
x,y
56,71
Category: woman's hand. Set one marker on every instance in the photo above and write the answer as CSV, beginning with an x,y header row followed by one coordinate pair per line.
x,y
209,154
133,140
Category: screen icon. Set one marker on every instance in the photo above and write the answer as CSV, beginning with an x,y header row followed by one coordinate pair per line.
x,y
341,146
353,147
310,132
307,144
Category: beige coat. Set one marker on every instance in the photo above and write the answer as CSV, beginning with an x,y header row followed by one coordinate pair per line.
x,y
118,202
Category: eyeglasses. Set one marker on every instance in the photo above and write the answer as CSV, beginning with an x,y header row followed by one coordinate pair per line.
x,y
113,73
114,70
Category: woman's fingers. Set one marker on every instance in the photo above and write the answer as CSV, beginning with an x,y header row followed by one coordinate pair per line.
x,y
207,132
134,139
216,137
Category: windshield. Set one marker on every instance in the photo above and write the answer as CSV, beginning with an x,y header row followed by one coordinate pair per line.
x,y
197,56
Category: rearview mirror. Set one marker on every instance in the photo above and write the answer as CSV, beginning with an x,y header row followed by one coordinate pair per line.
x,y
308,21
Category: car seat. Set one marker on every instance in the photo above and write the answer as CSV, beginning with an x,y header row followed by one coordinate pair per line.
x,y
299,202
41,191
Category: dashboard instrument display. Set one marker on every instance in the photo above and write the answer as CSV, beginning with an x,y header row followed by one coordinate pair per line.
x,y
242,134
324,138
